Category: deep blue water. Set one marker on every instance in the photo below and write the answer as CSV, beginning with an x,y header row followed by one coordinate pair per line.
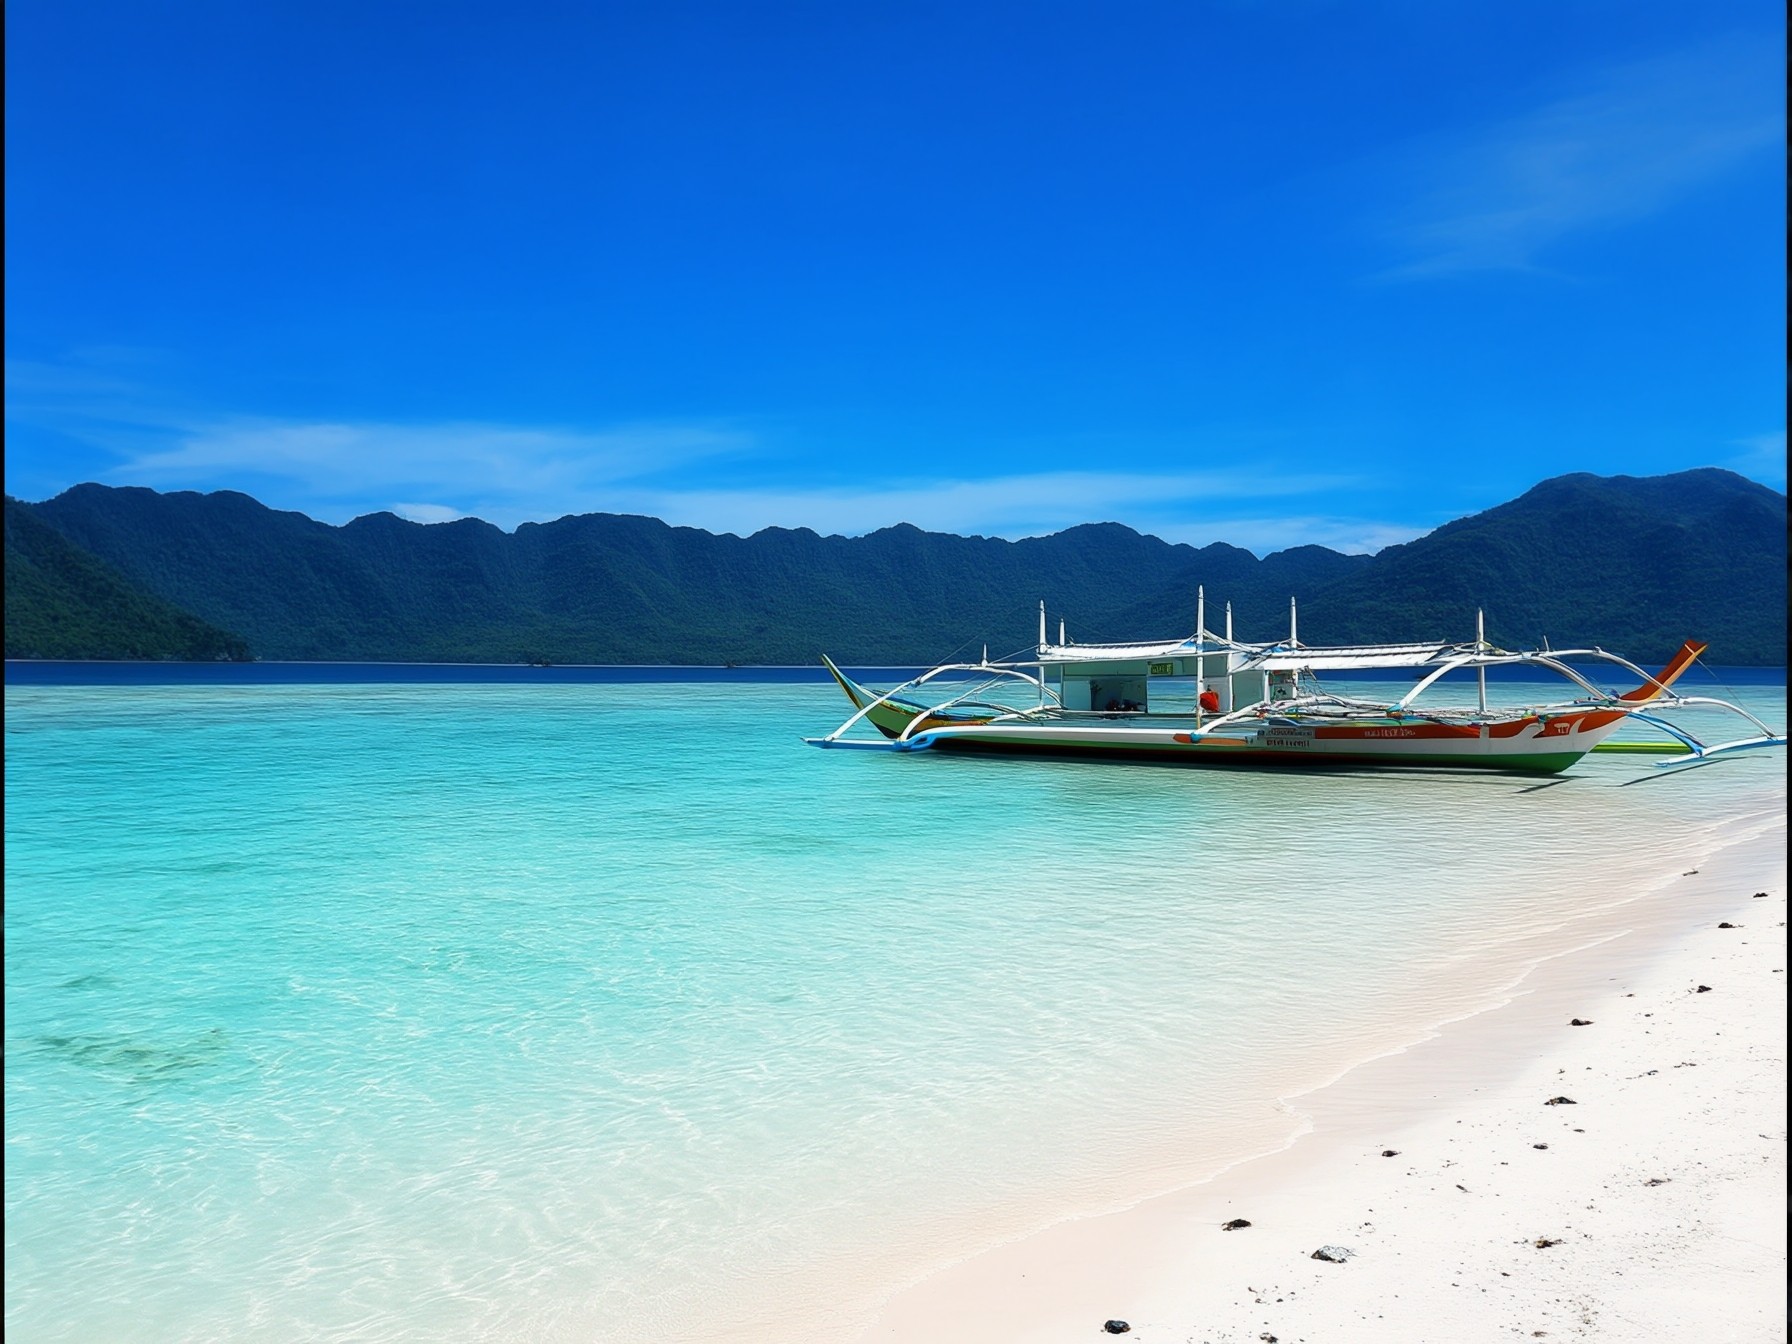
x,y
49,673
20,672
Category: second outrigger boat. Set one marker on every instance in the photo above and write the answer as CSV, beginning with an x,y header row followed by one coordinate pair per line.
x,y
1262,705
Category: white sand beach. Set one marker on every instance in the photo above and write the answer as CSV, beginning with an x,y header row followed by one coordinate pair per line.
x,y
1651,1208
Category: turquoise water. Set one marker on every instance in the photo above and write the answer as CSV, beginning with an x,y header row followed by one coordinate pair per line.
x,y
384,1012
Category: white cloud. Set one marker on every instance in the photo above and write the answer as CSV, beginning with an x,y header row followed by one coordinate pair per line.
x,y
1763,459
341,458
335,470
1008,506
1352,536
427,513
515,474
1633,139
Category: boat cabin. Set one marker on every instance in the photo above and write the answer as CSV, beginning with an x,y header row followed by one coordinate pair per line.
x,y
1150,684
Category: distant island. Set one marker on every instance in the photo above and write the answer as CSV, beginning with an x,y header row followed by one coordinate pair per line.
x,y
1632,564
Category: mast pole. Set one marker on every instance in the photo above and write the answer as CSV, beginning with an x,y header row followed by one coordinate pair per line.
x,y
1231,665
1480,648
1293,624
1200,646
1042,625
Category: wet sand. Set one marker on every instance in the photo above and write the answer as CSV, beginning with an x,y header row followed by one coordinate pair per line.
x,y
1651,1207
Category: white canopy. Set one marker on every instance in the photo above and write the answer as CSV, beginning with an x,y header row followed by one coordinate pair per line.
x,y
1260,657
1365,657
1114,653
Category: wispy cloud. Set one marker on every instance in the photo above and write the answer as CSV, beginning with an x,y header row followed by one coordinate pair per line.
x,y
1763,459
710,475
336,468
1008,506
427,513
358,459
1278,532
1630,141
697,474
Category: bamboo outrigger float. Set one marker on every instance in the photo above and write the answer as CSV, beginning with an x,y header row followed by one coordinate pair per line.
x,y
1263,706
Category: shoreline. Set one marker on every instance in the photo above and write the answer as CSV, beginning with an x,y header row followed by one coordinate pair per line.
x,y
1443,1232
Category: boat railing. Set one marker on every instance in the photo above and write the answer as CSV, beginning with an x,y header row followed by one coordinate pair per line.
x,y
1502,658
1331,706
1553,659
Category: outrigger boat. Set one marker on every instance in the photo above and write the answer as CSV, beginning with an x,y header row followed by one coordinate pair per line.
x,y
1263,706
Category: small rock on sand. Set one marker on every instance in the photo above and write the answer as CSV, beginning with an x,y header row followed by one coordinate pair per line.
x,y
1702,989
1390,1152
1336,1254
1580,1022
1235,1224
1116,1327
1561,1101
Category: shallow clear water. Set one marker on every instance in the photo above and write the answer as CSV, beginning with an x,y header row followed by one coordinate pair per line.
x,y
579,1010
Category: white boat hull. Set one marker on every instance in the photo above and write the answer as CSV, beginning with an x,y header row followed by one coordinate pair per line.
x,y
1526,745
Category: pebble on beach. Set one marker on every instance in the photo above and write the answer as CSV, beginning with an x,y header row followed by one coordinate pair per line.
x,y
1116,1327
1235,1224
1337,1255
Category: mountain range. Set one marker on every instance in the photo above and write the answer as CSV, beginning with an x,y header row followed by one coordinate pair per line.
x,y
1632,564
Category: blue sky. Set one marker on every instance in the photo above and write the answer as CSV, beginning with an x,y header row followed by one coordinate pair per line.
x,y
1269,272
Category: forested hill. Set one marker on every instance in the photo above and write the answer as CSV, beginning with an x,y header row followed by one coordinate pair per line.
x,y
1635,565
62,602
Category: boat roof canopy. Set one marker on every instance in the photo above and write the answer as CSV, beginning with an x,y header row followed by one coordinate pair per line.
x,y
1258,657
1120,653
1364,656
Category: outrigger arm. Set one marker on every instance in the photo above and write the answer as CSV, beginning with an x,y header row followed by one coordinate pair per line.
x,y
1698,752
901,743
